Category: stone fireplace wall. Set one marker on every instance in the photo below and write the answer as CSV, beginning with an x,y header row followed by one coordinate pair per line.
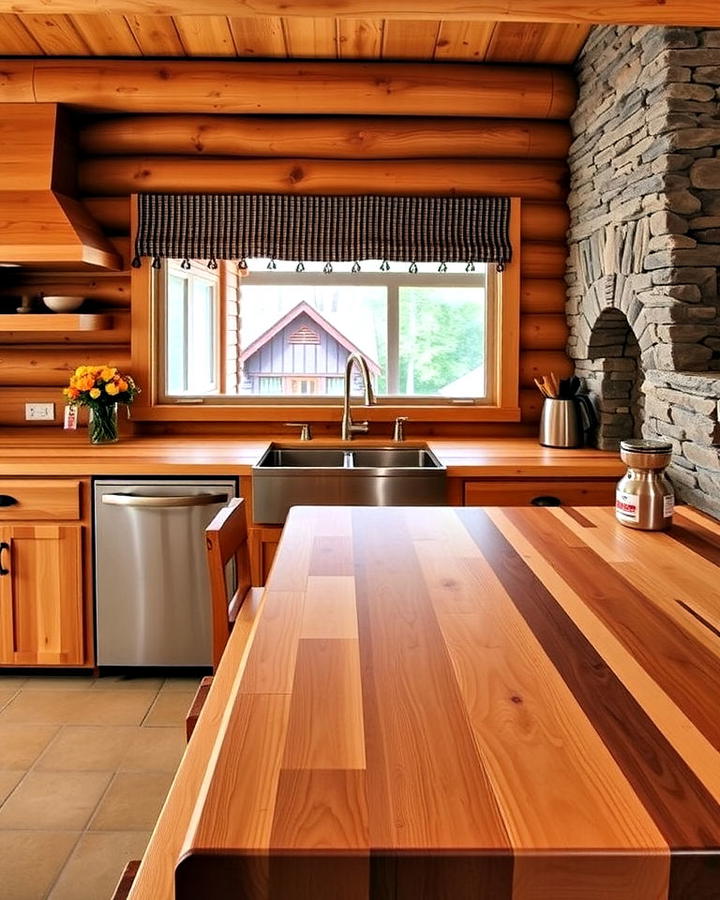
x,y
644,243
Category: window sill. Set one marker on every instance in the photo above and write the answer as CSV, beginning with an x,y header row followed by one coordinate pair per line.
x,y
206,412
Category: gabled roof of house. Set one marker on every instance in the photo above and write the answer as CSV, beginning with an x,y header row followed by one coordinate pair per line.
x,y
319,320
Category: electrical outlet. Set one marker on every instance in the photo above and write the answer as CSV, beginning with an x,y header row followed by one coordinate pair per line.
x,y
39,411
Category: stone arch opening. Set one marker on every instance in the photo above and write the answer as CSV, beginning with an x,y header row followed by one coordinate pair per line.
x,y
614,377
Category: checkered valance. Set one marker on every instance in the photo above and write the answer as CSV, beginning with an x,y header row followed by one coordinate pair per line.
x,y
322,228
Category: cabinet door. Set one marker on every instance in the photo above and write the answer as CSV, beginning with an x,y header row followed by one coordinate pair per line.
x,y
41,613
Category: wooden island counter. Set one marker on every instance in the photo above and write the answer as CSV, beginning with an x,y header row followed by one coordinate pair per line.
x,y
461,703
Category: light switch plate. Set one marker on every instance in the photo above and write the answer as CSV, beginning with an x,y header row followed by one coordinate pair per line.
x,y
39,411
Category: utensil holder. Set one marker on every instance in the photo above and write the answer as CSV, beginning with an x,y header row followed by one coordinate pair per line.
x,y
561,424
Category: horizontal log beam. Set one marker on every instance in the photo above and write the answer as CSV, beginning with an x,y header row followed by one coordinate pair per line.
x,y
341,137
117,176
295,88
33,365
542,295
621,12
530,403
543,332
535,363
543,260
544,221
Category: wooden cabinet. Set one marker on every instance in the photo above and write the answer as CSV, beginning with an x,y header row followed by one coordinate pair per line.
x,y
41,615
43,583
524,492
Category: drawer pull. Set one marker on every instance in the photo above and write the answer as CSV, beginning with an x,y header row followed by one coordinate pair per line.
x,y
7,500
546,501
3,546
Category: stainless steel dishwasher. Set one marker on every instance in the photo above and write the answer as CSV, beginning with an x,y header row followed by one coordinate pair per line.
x,y
152,595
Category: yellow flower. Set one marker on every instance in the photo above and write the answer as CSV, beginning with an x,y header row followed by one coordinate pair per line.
x,y
122,385
95,393
80,370
112,389
108,373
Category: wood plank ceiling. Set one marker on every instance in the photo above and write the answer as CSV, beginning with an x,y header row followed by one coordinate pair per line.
x,y
293,37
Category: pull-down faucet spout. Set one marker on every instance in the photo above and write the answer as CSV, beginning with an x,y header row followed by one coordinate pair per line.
x,y
348,426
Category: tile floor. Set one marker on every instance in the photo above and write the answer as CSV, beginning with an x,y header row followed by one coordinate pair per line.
x,y
85,765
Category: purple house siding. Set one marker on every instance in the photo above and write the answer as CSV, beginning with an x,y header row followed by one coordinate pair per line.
x,y
304,348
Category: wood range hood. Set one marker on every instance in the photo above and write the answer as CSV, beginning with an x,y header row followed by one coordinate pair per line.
x,y
42,225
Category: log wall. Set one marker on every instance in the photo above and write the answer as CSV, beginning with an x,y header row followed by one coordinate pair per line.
x,y
483,153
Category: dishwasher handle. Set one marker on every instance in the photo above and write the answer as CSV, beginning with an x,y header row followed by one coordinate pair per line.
x,y
163,502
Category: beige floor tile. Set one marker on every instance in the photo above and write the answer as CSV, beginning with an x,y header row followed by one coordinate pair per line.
x,y
30,861
20,745
181,684
6,697
96,864
58,683
9,779
88,748
170,708
155,750
132,802
54,800
11,682
127,682
79,707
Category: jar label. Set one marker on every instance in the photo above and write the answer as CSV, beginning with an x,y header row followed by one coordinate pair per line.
x,y
627,507
668,506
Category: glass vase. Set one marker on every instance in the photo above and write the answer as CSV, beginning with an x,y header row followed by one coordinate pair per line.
x,y
103,424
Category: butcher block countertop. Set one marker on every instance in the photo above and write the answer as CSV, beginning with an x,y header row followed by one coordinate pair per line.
x,y
51,451
465,704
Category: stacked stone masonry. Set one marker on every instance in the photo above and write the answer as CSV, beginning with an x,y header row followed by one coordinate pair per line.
x,y
644,243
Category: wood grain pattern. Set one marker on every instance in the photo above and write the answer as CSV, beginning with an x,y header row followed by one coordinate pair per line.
x,y
672,12
475,720
335,138
135,33
280,87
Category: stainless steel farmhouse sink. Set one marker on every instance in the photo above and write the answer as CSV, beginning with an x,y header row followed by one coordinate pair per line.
x,y
333,476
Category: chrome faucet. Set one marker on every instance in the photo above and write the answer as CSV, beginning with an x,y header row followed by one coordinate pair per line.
x,y
349,428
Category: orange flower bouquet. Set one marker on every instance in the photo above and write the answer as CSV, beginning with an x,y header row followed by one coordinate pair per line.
x,y
100,388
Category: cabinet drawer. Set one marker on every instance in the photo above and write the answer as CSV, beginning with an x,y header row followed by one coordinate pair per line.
x,y
522,493
39,499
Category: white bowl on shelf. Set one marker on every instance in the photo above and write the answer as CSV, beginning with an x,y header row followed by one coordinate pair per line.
x,y
63,304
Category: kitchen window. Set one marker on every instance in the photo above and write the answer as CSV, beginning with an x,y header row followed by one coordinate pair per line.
x,y
283,335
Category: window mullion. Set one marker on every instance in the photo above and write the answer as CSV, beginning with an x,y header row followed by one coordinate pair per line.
x,y
393,338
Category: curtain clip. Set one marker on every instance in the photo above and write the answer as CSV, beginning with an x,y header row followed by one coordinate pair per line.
x,y
385,266
500,267
212,263
242,266
470,267
300,267
355,267
327,268
442,268
156,262
272,265
185,264
136,263
413,268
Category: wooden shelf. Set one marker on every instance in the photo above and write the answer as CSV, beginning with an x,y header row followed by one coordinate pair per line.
x,y
56,322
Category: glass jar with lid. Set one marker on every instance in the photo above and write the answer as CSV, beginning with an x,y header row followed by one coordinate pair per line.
x,y
644,497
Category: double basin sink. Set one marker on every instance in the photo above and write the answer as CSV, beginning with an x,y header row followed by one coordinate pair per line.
x,y
345,476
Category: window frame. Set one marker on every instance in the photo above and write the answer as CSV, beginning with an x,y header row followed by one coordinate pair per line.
x,y
150,406
190,278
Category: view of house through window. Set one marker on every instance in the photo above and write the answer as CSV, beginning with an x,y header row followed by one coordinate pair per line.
x,y
281,333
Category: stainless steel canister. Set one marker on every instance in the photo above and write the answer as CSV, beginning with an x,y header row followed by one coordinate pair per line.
x,y
644,497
